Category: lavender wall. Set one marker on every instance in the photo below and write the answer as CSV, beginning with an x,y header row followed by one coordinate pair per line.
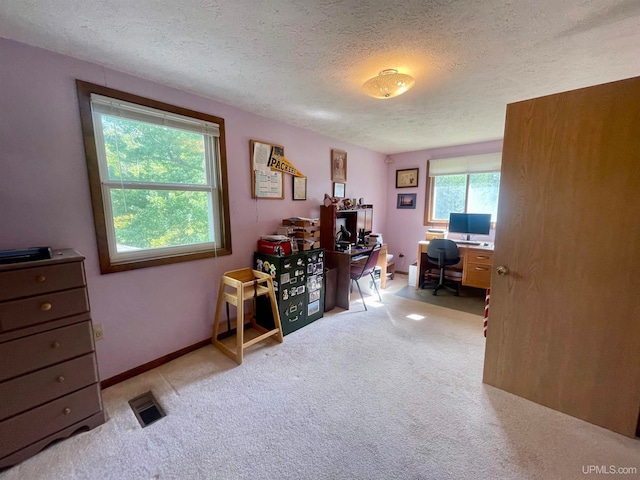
x,y
405,228
44,199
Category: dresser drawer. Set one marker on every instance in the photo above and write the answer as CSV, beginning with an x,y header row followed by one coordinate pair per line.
x,y
480,256
39,280
43,308
44,349
39,387
47,419
477,275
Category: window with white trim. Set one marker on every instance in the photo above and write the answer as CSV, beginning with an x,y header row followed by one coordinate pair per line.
x,y
464,185
157,180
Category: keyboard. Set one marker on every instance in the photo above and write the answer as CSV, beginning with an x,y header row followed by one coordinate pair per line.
x,y
468,242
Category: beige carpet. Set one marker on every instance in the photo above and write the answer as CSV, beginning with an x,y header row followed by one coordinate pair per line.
x,y
355,395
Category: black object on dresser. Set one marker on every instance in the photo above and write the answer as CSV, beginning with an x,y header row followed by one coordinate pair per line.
x,y
298,280
49,385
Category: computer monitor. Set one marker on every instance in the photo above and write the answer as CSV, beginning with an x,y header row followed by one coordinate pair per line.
x,y
470,223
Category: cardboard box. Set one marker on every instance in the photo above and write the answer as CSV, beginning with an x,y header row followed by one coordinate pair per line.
x,y
274,248
307,234
288,230
299,222
435,233
307,245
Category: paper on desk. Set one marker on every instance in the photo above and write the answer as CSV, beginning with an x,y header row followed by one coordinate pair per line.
x,y
275,238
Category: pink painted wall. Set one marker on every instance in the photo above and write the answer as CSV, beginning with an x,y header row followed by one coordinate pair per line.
x,y
405,228
44,199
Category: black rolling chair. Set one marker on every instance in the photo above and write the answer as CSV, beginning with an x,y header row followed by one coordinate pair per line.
x,y
366,267
443,253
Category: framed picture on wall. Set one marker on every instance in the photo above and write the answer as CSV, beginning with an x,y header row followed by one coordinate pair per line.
x,y
338,190
407,178
406,200
338,166
299,188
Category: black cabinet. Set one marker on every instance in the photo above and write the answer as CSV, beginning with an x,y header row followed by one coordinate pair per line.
x,y
298,280
331,219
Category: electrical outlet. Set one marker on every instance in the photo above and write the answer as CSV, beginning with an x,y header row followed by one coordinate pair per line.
x,y
401,255
98,332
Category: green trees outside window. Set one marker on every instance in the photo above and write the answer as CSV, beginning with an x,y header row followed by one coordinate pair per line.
x,y
153,154
473,193
158,180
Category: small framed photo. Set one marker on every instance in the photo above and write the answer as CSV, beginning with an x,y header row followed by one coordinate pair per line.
x,y
338,190
299,188
338,166
406,200
407,178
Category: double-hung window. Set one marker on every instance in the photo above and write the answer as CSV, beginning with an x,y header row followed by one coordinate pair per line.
x,y
463,185
157,177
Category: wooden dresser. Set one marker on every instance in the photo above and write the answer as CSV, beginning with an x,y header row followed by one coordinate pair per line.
x,y
49,386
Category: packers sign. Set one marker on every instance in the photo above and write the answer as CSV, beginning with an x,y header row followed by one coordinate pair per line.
x,y
278,163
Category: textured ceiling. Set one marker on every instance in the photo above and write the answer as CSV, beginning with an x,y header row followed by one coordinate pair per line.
x,y
303,61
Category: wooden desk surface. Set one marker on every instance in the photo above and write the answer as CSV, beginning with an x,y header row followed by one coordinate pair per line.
x,y
464,248
342,262
422,246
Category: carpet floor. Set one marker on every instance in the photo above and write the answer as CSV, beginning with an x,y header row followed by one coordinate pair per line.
x,y
392,393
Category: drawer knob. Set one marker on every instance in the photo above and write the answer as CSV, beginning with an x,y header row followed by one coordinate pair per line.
x,y
482,257
60,379
502,270
484,269
55,345
40,278
45,306
66,411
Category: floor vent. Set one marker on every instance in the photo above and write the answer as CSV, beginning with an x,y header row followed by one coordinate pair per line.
x,y
146,408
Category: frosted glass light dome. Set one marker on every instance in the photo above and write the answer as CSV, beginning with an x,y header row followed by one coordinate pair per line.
x,y
389,83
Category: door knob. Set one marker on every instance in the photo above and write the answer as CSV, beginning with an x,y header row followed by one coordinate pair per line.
x,y
502,270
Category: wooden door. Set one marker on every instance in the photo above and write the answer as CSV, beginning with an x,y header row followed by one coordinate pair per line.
x,y
564,322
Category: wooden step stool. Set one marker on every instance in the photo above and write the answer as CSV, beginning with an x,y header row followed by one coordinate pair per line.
x,y
248,284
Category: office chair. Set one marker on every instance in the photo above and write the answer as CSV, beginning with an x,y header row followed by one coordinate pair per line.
x,y
443,253
366,267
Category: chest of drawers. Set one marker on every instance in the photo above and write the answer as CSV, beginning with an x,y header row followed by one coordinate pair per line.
x,y
477,268
49,386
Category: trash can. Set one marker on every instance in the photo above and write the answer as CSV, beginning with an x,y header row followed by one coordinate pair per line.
x,y
413,274
330,287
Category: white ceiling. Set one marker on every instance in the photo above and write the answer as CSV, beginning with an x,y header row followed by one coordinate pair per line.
x,y
303,61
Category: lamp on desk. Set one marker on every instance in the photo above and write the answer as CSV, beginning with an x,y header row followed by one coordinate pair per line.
x,y
341,243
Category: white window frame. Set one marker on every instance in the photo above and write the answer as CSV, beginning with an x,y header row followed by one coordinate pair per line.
x,y
96,101
469,165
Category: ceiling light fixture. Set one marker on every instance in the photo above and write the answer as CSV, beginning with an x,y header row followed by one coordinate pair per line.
x,y
389,83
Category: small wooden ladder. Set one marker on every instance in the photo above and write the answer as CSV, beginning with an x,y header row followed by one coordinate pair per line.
x,y
248,285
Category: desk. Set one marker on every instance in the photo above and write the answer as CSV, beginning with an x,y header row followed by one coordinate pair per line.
x,y
341,261
475,263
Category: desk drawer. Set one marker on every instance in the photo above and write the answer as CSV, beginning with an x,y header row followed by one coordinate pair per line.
x,y
482,257
39,387
39,280
50,418
37,351
477,275
43,308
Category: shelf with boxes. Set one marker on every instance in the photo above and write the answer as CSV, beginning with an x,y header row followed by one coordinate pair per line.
x,y
304,232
